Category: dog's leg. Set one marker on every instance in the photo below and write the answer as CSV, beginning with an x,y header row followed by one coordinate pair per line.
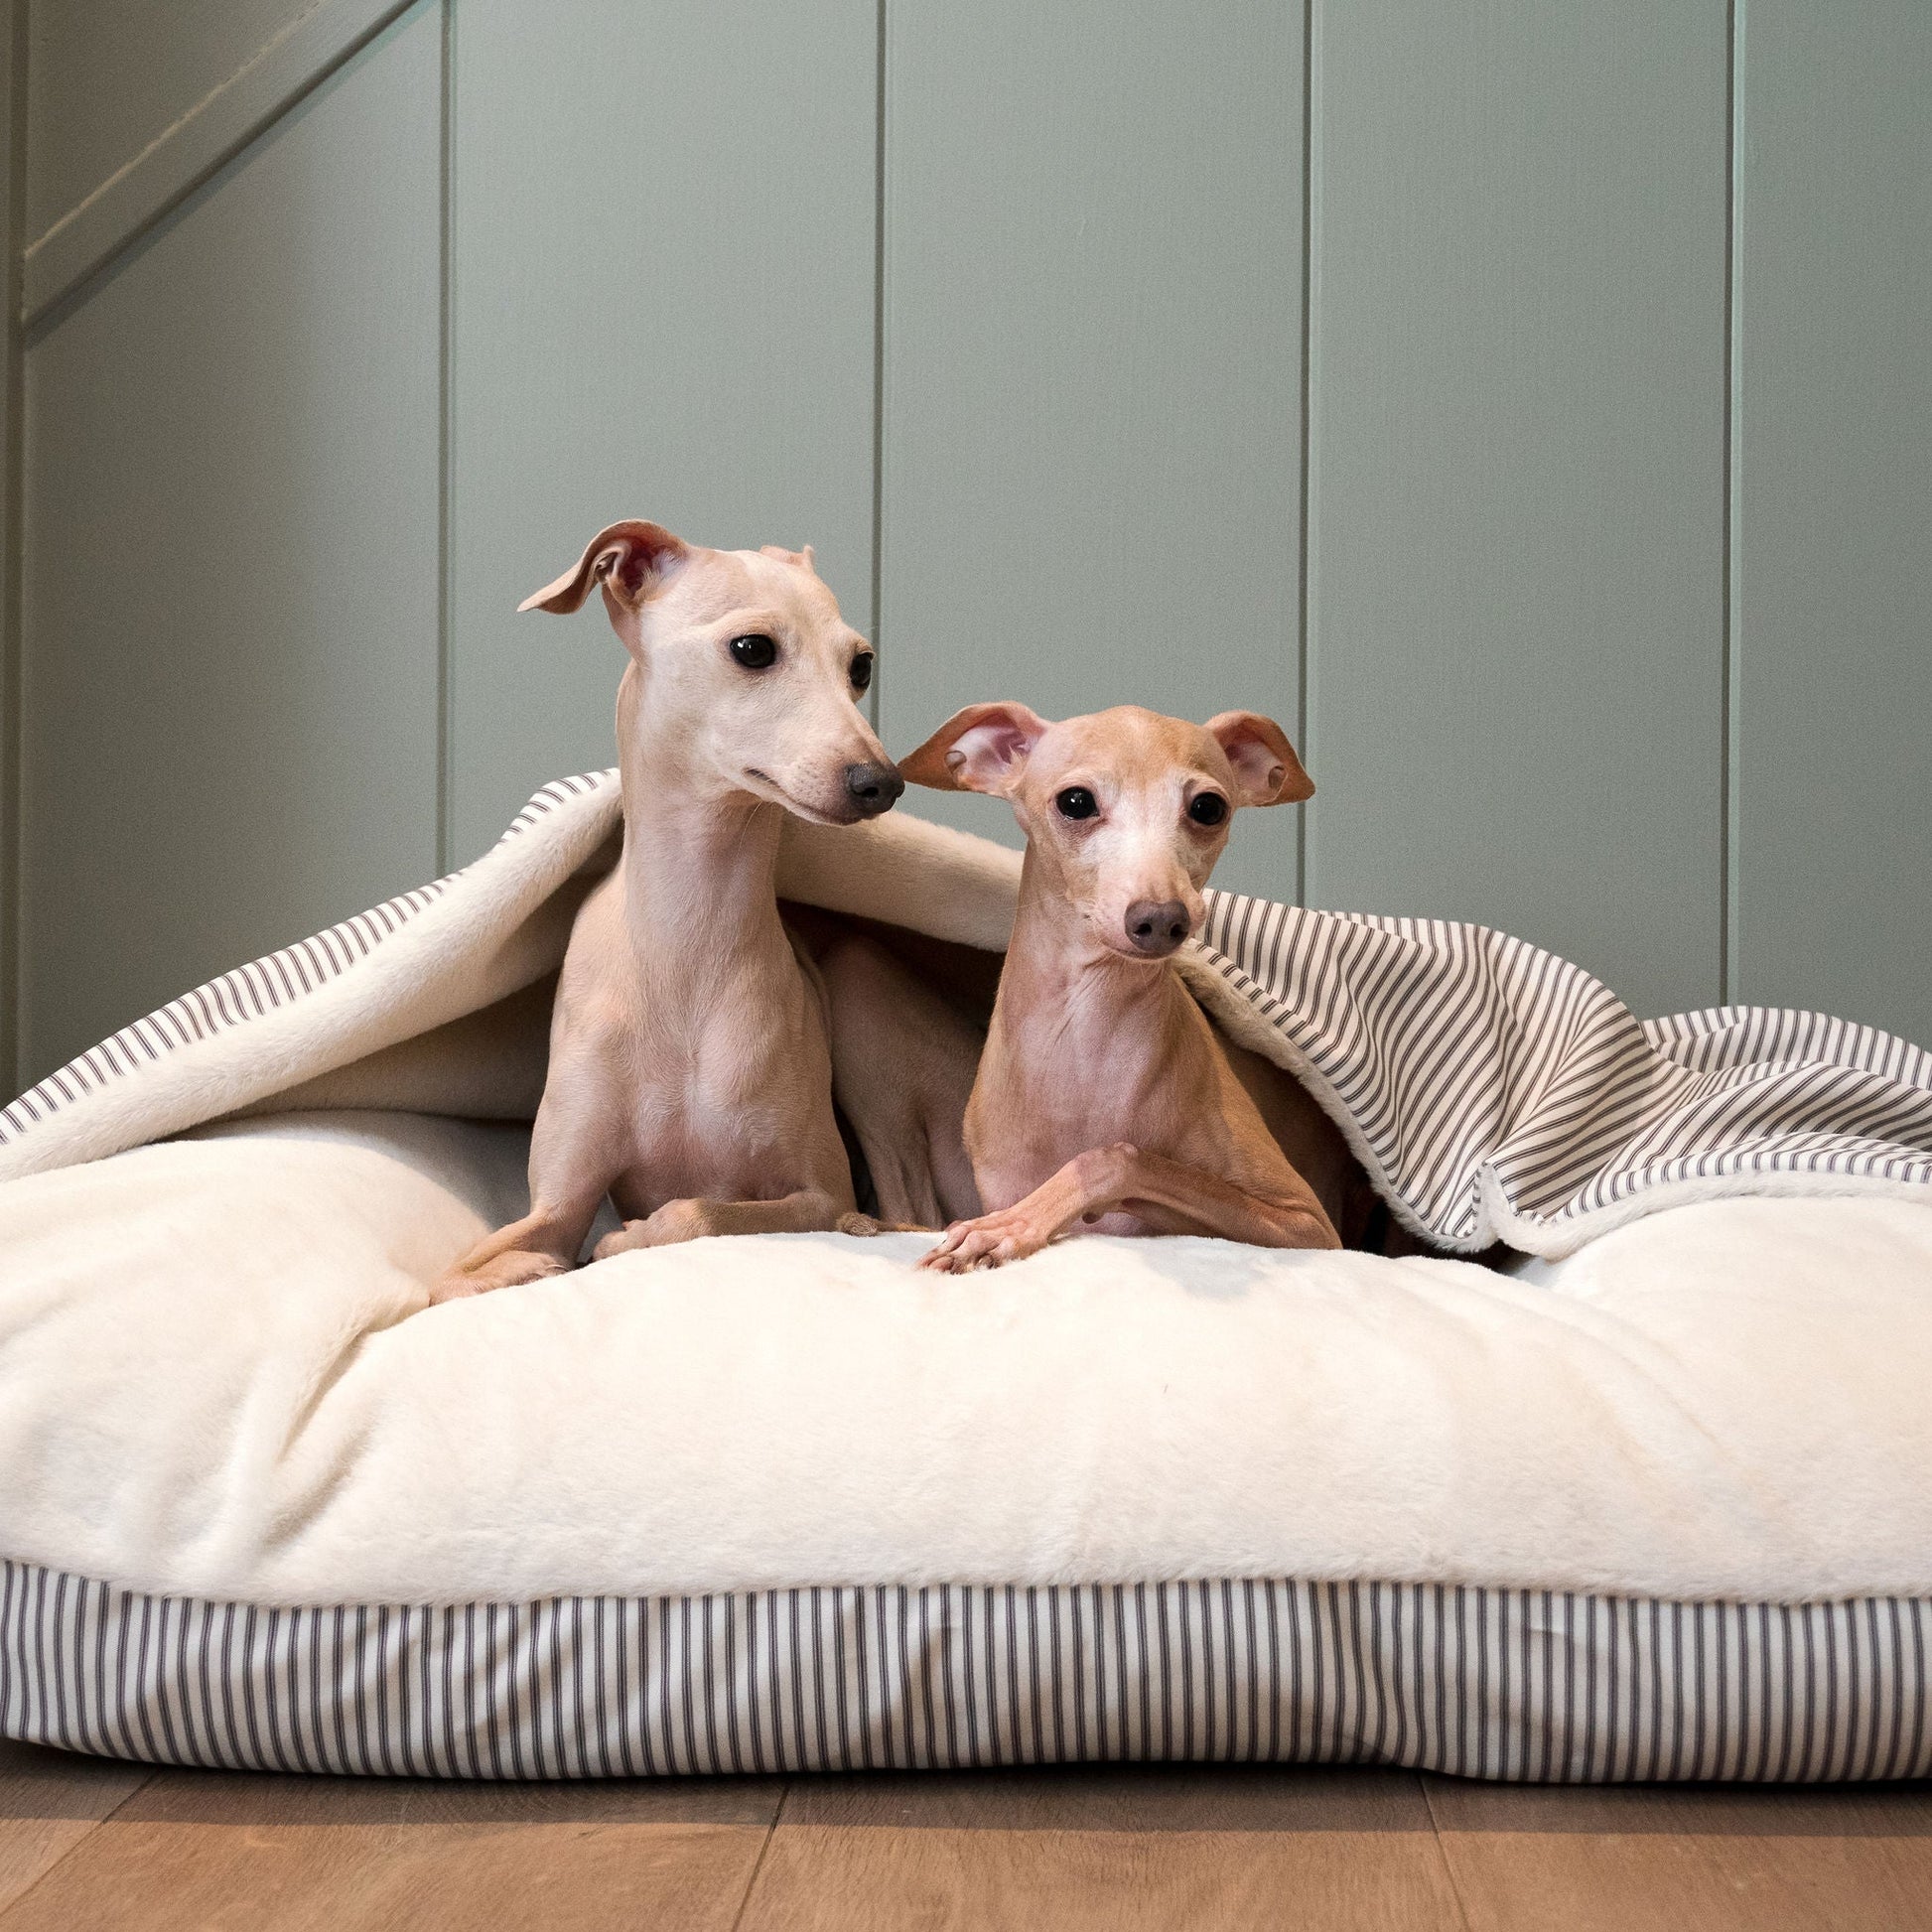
x,y
810,1212
545,1242
570,1158
902,1067
1168,1196
1310,1143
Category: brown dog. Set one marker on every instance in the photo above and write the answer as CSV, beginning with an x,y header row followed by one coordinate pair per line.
x,y
1104,1097
690,1074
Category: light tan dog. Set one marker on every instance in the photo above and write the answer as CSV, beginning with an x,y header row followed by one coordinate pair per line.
x,y
1104,1097
690,1072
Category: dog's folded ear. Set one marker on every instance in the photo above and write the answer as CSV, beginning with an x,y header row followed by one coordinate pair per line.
x,y
981,749
630,559
1266,769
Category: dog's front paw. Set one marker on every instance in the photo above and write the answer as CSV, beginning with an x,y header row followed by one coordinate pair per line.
x,y
619,1241
868,1225
989,1242
675,1221
510,1270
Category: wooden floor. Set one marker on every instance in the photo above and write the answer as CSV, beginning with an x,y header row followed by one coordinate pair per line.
x,y
85,1843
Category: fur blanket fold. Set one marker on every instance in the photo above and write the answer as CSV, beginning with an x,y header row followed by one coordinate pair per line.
x,y
1492,1091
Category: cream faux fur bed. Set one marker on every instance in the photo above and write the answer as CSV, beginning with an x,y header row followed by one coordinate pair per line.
x,y
215,1382
1655,1509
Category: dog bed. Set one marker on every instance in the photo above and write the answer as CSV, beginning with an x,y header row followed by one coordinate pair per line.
x,y
1650,1505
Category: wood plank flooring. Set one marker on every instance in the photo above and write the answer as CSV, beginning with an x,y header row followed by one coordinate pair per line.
x,y
1102,1849
126,1849
49,1803
1844,1858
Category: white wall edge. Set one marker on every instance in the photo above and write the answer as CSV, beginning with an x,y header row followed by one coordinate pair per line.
x,y
208,136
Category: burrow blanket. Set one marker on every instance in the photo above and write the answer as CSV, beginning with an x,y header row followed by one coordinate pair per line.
x,y
1492,1091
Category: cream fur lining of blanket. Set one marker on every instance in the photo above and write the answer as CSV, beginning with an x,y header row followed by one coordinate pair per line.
x,y
395,1029
209,1386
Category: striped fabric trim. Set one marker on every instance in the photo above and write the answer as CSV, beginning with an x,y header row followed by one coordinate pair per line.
x,y
1542,1686
1462,1056
263,985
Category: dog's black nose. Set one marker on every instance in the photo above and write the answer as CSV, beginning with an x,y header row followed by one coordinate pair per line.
x,y
874,788
1157,925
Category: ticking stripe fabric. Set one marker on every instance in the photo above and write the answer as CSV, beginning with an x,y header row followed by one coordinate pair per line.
x,y
277,980
1498,1092
1492,1091
1525,1685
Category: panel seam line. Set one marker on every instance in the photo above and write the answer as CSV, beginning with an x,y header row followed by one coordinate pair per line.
x,y
13,594
1728,695
444,838
1308,437
878,356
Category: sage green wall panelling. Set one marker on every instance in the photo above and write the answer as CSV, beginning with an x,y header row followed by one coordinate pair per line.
x,y
12,125
1832,764
108,77
1516,485
231,564
136,105
667,236
663,282
1092,370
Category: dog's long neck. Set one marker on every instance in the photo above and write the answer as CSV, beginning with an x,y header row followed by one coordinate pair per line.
x,y
700,863
1062,990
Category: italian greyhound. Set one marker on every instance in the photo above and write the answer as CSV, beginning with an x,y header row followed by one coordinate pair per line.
x,y
1104,1097
690,1074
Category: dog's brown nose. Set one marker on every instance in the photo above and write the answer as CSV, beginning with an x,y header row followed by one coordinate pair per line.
x,y
1157,925
874,788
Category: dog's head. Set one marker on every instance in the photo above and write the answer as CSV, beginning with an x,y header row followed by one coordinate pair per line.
x,y
743,663
1125,811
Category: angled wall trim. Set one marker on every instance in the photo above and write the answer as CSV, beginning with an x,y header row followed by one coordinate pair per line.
x,y
186,153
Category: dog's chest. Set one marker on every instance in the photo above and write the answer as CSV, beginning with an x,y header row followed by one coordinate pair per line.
x,y
729,1107
1048,1095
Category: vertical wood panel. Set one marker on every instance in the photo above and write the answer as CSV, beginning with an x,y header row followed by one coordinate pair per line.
x,y
1516,634
663,308
229,656
1092,370
1832,540
13,170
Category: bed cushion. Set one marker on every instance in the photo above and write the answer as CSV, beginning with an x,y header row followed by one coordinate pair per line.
x,y
1657,1509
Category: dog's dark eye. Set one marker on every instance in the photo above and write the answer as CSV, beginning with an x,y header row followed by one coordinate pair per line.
x,y
862,670
1076,801
1207,809
756,652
